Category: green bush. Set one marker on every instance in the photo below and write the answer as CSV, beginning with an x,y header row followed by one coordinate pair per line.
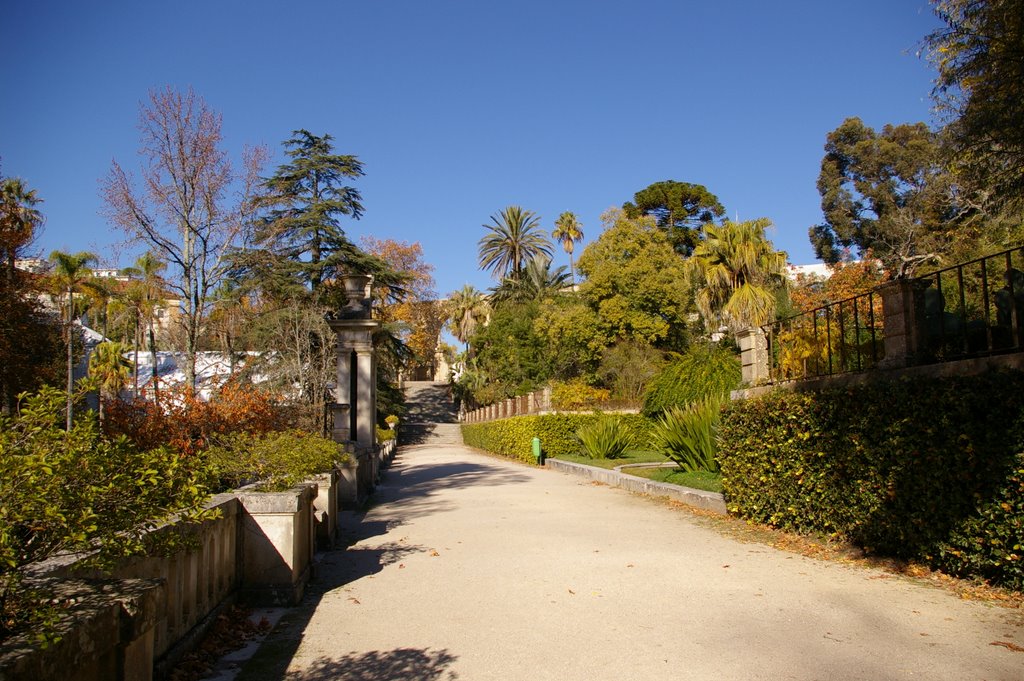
x,y
927,469
513,437
686,435
78,491
605,438
703,372
276,461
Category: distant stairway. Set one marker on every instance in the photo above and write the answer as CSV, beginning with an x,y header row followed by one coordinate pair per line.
x,y
432,419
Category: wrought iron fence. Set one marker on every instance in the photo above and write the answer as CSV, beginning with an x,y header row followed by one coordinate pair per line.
x,y
832,339
968,310
972,309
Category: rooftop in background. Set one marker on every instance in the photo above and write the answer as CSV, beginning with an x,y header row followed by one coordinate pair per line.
x,y
817,270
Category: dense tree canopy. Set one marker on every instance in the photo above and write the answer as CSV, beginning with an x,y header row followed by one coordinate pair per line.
x,y
29,339
979,54
680,208
886,192
635,282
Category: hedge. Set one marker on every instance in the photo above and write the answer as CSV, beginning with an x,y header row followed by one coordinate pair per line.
x,y
928,469
513,437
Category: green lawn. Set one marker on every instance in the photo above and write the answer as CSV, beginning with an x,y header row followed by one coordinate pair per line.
x,y
633,456
710,482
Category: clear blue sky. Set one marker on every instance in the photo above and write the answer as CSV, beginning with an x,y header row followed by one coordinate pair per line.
x,y
461,107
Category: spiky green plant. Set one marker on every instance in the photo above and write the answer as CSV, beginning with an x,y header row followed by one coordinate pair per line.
x,y
606,438
686,435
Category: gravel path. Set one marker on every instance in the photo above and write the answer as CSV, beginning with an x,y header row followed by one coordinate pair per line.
x,y
471,567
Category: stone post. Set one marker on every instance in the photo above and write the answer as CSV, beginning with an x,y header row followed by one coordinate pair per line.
x,y
903,327
354,410
754,355
545,400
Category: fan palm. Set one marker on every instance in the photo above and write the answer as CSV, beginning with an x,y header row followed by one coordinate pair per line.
x,y
144,294
467,309
109,368
514,238
537,280
569,231
18,220
70,271
738,270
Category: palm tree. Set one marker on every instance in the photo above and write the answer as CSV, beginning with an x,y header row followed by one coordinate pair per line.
x,y
514,238
569,231
144,294
70,272
537,281
18,220
109,368
738,270
467,309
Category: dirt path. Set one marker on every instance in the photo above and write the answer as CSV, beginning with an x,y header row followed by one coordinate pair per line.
x,y
474,568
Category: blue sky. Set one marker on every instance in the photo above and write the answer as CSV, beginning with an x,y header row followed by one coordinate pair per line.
x,y
459,108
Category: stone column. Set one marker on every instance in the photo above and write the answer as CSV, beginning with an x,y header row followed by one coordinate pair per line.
x,y
754,355
355,407
903,328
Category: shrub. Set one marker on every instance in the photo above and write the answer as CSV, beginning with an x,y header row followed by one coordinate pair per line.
x,y
72,491
276,460
925,469
605,438
385,434
704,372
577,394
512,437
687,436
190,424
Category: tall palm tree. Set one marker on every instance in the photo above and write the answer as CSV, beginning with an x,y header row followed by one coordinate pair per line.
x,y
70,271
467,309
738,271
110,369
18,220
569,231
145,294
513,239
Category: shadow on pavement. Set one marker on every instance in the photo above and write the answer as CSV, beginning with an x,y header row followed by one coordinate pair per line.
x,y
409,664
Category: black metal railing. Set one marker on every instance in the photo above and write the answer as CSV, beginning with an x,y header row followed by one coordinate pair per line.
x,y
973,309
835,338
968,310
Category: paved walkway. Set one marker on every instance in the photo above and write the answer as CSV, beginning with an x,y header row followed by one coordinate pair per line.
x,y
474,568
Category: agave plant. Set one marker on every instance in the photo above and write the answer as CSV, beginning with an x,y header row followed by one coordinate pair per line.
x,y
686,435
606,438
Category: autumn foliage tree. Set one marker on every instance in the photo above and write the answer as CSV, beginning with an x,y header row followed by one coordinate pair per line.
x,y
186,210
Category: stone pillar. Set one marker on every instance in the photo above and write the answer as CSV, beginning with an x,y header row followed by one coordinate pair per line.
x,y
903,328
545,400
754,356
354,410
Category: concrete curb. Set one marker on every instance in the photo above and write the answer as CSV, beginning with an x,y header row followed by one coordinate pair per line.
x,y
711,501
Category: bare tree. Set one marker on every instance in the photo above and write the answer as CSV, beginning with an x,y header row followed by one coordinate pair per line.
x,y
190,206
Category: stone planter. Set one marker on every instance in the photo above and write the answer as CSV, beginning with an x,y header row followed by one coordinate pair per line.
x,y
325,509
278,540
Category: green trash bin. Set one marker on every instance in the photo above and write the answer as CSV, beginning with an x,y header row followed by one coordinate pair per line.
x,y
537,452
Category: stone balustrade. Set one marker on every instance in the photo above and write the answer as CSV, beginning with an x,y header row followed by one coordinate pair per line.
x,y
137,620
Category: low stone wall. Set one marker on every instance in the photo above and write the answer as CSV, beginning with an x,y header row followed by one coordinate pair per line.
x,y
139,618
711,501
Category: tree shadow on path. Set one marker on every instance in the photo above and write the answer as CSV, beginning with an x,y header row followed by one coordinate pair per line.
x,y
408,664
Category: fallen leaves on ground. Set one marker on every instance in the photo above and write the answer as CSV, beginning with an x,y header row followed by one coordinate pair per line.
x,y
231,630
824,548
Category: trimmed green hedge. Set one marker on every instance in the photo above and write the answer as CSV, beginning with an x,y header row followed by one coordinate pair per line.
x,y
513,437
929,469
